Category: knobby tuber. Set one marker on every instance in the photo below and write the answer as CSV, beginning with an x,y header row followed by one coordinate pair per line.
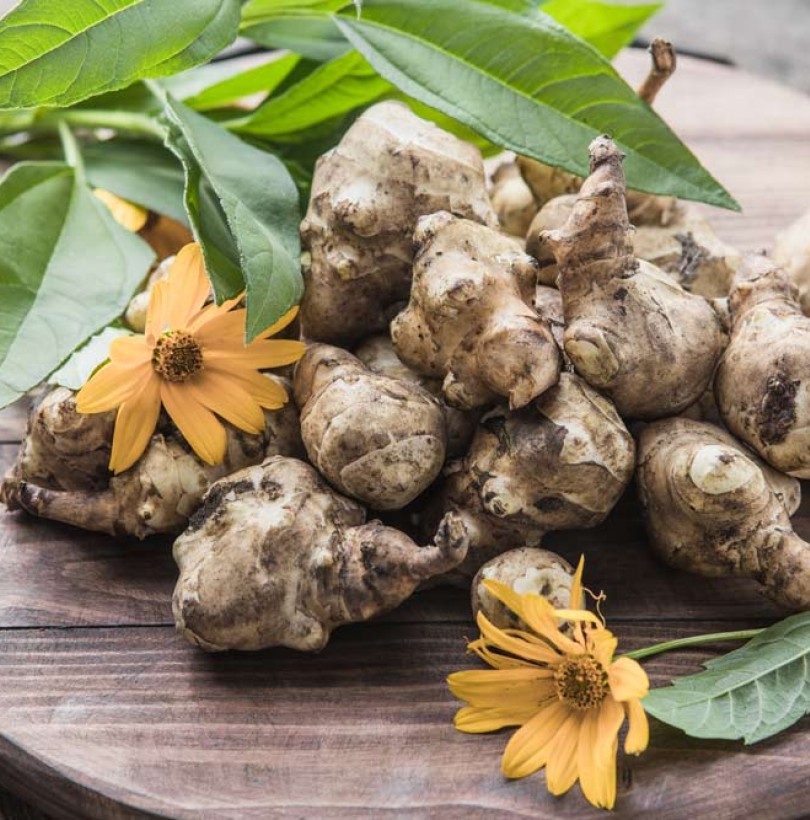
x,y
561,463
763,381
275,557
687,248
378,355
710,509
389,169
526,570
377,439
512,199
470,320
792,250
631,331
61,470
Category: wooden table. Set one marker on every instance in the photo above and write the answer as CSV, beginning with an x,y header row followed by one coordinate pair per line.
x,y
106,712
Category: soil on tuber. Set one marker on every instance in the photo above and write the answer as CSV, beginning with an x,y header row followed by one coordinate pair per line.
x,y
710,509
561,463
631,331
378,355
762,385
390,168
275,557
61,470
375,438
470,320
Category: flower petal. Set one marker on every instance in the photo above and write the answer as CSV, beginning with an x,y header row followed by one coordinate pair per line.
x,y
538,652
638,735
264,389
494,687
258,355
527,750
596,753
561,769
577,600
125,213
157,312
495,659
225,397
473,720
130,350
627,679
602,645
188,286
198,425
134,425
111,386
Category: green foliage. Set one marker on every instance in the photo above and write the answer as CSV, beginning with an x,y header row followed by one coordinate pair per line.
x,y
56,53
224,83
606,26
244,211
546,96
331,90
302,26
67,269
751,693
142,172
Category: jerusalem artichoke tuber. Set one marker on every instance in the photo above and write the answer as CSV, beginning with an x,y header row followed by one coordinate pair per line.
x,y
710,509
378,355
631,331
389,169
55,477
763,380
469,319
525,570
275,557
377,439
792,250
561,463
512,199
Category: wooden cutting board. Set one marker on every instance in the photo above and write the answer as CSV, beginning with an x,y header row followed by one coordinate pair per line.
x,y
106,712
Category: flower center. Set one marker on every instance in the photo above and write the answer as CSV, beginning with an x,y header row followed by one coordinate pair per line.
x,y
177,356
581,682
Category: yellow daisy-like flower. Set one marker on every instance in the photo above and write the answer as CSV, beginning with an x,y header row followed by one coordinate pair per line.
x,y
194,362
568,694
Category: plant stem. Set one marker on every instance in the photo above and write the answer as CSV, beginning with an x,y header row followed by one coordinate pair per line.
x,y
694,640
49,121
70,149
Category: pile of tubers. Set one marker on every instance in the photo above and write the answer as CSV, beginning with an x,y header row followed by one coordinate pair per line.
x,y
476,388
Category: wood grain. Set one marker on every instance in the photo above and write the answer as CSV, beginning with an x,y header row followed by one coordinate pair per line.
x,y
106,713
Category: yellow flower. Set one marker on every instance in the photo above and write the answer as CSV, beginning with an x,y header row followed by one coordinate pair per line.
x,y
126,213
568,694
193,361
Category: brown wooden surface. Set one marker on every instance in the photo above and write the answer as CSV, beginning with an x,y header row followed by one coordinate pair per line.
x,y
105,712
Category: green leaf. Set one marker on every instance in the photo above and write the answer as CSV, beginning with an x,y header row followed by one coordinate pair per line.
x,y
224,83
67,269
243,207
525,83
302,26
142,172
56,53
606,26
751,693
331,90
